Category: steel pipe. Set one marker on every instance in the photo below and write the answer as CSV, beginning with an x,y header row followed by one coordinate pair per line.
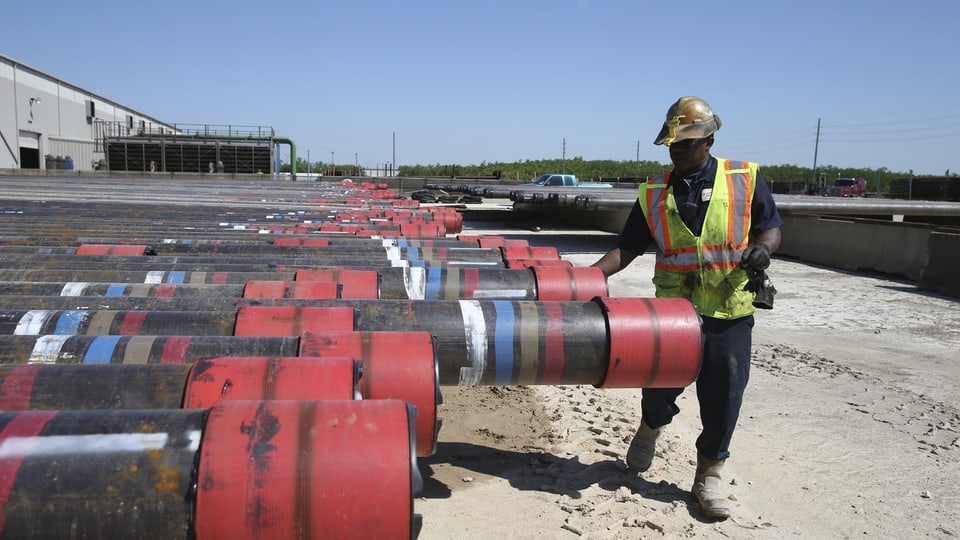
x,y
242,469
148,371
97,474
79,288
173,386
502,342
137,350
538,282
45,387
270,378
219,241
479,342
390,256
120,323
491,283
134,303
164,276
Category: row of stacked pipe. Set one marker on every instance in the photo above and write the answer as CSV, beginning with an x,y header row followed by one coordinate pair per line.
x,y
270,366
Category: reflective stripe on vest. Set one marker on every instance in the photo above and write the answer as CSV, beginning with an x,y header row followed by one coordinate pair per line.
x,y
721,249
704,268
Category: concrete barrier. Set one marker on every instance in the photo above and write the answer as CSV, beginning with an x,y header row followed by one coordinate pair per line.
x,y
942,270
919,252
898,249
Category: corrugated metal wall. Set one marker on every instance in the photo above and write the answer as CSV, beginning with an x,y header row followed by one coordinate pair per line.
x,y
80,151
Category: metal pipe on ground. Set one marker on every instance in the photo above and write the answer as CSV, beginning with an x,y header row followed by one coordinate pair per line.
x,y
165,276
333,257
478,342
172,386
137,349
149,265
75,288
201,242
242,469
413,283
395,365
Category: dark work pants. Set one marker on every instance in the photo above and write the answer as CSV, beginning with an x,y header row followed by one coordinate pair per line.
x,y
720,385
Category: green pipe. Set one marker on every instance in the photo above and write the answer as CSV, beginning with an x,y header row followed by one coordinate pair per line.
x,y
293,155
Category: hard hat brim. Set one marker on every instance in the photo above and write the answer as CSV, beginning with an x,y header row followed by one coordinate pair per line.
x,y
683,132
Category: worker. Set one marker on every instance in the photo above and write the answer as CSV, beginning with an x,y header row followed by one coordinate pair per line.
x,y
713,221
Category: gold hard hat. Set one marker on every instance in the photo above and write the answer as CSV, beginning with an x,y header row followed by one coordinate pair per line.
x,y
689,118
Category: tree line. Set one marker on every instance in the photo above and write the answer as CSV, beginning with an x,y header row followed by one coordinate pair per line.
x,y
794,176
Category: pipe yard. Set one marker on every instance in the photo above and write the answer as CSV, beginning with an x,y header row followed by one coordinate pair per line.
x,y
212,359
241,358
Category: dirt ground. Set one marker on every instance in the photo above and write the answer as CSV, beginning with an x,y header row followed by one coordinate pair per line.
x,y
850,428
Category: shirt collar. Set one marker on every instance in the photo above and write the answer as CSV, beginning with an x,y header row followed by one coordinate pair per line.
x,y
706,174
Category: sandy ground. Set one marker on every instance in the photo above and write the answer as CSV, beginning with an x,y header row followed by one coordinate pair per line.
x,y
849,429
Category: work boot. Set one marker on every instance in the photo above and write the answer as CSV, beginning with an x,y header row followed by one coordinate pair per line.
x,y
706,488
642,447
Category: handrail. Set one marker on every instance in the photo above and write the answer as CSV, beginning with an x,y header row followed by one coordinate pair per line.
x,y
15,160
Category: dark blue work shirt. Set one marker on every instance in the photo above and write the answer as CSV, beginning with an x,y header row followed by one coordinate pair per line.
x,y
636,236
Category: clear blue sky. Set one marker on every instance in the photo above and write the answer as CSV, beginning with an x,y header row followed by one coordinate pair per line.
x,y
508,80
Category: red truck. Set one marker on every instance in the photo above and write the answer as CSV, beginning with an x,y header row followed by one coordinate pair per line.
x,y
848,187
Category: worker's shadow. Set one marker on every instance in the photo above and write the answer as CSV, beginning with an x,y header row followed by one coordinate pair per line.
x,y
539,471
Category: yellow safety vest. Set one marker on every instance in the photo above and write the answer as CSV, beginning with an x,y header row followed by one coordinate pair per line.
x,y
704,269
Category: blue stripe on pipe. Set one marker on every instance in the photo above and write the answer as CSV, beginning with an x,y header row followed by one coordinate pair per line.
x,y
175,276
116,289
101,350
413,255
503,341
433,284
69,322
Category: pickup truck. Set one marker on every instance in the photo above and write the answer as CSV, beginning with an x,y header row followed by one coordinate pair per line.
x,y
564,180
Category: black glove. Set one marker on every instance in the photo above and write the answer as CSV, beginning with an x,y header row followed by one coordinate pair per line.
x,y
756,257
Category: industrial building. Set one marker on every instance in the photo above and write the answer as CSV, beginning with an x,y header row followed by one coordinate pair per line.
x,y
49,124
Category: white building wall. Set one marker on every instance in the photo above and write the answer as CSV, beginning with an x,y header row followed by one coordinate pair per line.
x,y
9,145
38,106
81,152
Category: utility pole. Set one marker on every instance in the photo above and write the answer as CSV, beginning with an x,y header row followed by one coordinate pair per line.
x,y
816,148
356,164
563,156
638,160
394,162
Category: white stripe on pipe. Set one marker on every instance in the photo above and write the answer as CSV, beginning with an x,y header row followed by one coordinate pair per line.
x,y
475,330
415,281
393,253
101,443
73,288
32,322
46,349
